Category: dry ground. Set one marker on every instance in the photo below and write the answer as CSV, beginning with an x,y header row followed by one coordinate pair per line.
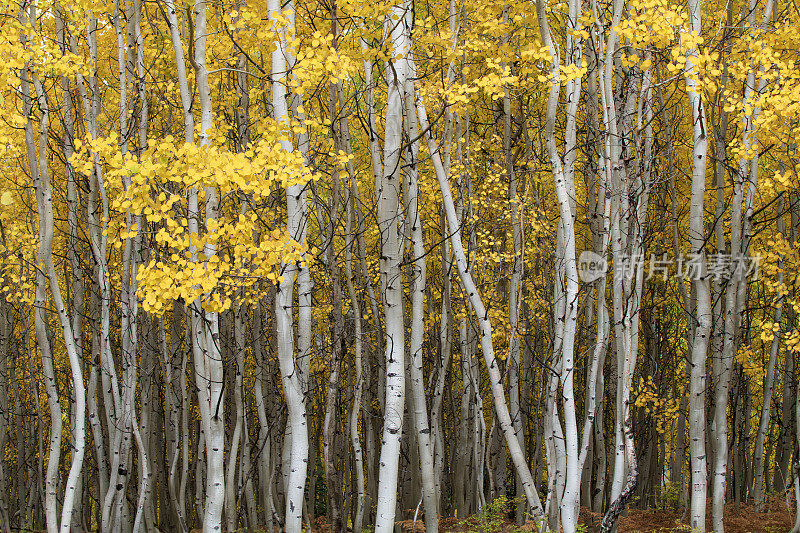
x,y
777,518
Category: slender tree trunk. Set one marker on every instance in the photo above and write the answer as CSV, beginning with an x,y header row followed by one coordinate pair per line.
x,y
419,281
291,368
566,320
515,289
496,383
41,178
355,306
697,361
40,312
389,206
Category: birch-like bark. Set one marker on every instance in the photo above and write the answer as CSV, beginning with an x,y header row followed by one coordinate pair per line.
x,y
735,295
443,366
445,320
40,313
98,243
180,63
231,515
377,171
389,207
41,178
462,471
293,386
592,441
556,453
566,320
304,280
515,288
73,253
720,128
352,208
178,310
333,475
355,409
331,427
697,362
496,382
479,448
205,324
174,377
769,379
115,507
626,240
633,276
419,273
131,259
184,412
240,437
263,441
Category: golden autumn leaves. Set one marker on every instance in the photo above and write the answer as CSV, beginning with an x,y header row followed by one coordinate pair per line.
x,y
154,190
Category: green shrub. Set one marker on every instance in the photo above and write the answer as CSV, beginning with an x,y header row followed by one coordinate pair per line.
x,y
667,496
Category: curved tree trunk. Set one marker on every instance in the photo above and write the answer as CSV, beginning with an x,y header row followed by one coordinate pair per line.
x,y
496,383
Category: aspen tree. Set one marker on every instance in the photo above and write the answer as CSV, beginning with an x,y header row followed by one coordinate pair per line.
x,y
734,296
479,310
39,305
697,362
391,237
567,286
419,279
46,274
171,244
296,220
208,360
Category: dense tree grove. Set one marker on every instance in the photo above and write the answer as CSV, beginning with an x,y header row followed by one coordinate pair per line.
x,y
263,262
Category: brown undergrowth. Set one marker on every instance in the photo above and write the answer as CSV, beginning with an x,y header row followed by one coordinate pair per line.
x,y
739,518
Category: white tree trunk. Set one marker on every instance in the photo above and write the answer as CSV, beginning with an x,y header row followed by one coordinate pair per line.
x,y
697,362
566,320
41,178
734,305
208,359
293,385
389,212
496,382
419,280
40,319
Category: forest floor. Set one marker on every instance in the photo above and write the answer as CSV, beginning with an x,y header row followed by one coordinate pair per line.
x,y
739,518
